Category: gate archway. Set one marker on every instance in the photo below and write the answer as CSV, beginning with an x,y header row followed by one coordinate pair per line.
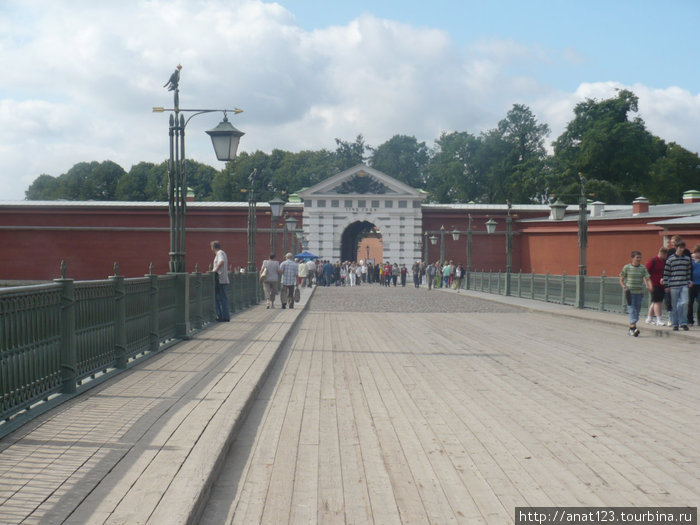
x,y
352,235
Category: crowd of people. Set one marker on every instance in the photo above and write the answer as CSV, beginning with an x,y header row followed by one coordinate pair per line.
x,y
292,274
673,279
348,273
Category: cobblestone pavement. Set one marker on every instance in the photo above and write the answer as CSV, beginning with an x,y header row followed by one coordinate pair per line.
x,y
375,298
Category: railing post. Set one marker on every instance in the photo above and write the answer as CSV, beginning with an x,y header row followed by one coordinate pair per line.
x,y
153,311
182,302
601,293
520,282
546,287
237,290
563,287
68,348
532,286
197,283
119,319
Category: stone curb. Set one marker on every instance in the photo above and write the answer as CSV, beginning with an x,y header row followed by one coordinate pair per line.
x,y
176,507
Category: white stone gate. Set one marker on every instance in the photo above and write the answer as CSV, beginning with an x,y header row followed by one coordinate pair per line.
x,y
363,194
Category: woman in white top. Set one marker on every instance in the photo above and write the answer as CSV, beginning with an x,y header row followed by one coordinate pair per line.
x,y
271,270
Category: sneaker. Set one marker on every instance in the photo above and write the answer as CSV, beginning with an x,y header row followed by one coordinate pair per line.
x,y
636,332
684,327
659,322
648,320
669,323
675,328
630,331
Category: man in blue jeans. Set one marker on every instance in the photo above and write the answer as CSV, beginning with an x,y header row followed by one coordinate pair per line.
x,y
220,269
678,277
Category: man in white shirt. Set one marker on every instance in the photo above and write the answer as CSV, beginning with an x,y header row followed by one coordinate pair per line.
x,y
220,269
311,267
303,273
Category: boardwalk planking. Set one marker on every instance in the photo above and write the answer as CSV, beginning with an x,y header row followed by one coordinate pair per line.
x,y
437,424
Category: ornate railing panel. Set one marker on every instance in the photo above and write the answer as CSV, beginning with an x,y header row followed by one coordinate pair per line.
x,y
54,336
30,368
599,292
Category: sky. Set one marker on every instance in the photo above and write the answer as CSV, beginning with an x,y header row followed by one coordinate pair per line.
x,y
79,77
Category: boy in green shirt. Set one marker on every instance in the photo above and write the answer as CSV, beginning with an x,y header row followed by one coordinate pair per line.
x,y
633,278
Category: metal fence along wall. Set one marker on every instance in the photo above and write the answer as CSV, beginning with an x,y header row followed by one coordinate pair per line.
x,y
56,338
599,293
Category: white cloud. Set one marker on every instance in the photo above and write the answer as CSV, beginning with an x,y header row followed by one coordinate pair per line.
x,y
80,78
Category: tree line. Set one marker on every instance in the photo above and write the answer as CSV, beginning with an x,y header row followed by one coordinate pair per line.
x,y
618,157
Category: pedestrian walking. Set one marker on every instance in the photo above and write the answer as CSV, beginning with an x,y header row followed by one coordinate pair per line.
x,y
694,292
633,277
655,267
678,278
290,271
270,276
430,273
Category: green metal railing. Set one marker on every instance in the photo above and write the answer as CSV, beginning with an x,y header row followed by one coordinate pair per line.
x,y
599,292
60,338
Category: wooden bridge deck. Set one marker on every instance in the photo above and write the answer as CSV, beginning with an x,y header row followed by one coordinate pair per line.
x,y
381,406
381,417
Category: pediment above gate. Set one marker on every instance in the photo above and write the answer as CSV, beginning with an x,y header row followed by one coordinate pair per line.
x,y
361,180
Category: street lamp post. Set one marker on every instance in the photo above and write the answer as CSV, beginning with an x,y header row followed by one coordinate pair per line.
x,y
252,222
425,248
491,228
509,248
290,225
225,139
442,245
582,244
276,207
455,236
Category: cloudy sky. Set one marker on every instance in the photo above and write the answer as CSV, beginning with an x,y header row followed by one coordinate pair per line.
x,y
79,77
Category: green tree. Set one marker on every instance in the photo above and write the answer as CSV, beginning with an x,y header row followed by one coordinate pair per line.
x,y
132,186
157,183
104,179
525,161
200,178
403,158
676,172
43,188
452,175
605,145
349,154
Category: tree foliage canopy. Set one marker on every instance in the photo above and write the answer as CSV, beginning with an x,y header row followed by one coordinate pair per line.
x,y
618,156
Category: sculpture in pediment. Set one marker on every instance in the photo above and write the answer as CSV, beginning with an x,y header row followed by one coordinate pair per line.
x,y
361,183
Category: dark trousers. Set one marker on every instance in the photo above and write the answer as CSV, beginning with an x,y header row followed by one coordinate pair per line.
x,y
221,302
287,295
